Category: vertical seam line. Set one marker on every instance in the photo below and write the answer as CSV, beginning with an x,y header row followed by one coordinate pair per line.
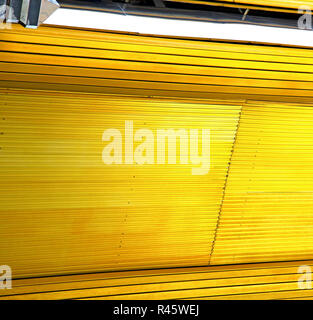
x,y
225,183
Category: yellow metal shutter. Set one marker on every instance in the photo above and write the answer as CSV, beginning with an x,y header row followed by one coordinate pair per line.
x,y
267,208
102,62
64,211
75,69
232,282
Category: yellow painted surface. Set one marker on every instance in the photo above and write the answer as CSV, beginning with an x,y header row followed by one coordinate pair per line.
x,y
102,62
267,208
245,282
65,211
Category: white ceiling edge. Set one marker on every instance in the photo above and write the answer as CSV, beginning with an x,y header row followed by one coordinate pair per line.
x,y
180,28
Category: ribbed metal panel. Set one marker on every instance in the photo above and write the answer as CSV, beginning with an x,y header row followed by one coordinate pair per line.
x,y
85,61
66,212
238,282
267,208
63,210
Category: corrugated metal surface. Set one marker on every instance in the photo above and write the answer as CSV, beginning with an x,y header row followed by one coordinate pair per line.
x,y
267,208
254,281
63,210
85,61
